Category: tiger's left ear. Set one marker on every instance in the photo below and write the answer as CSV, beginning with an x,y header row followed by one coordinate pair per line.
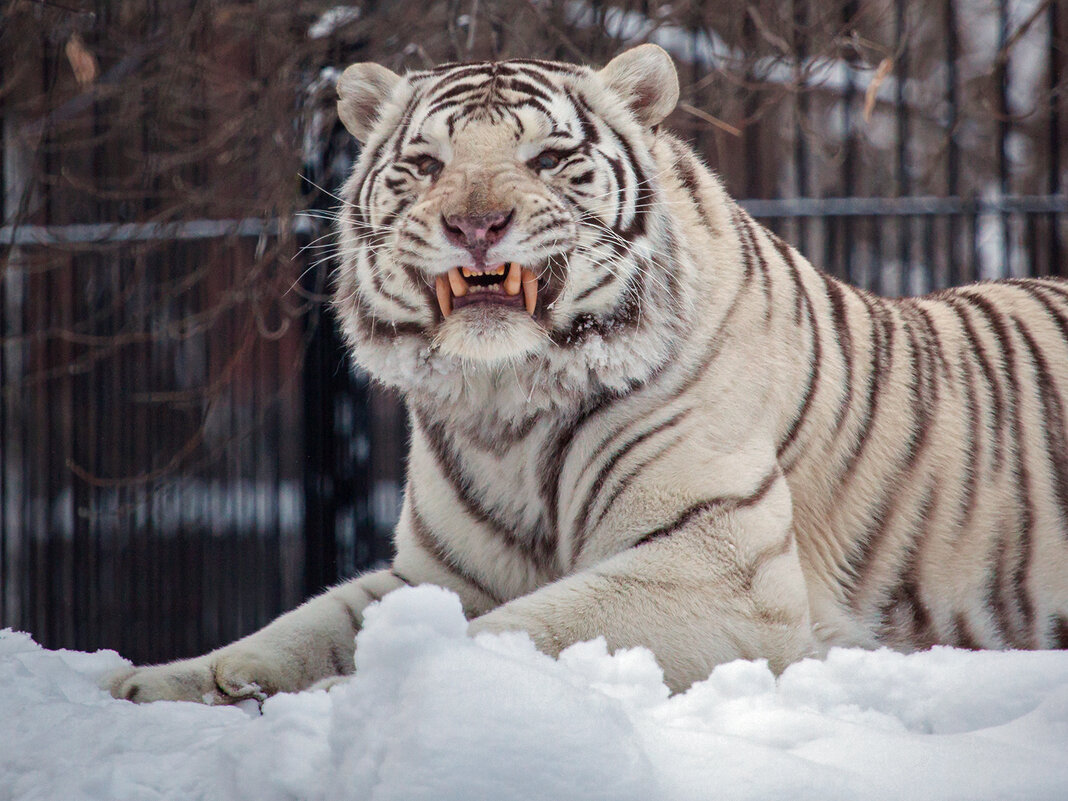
x,y
645,77
361,91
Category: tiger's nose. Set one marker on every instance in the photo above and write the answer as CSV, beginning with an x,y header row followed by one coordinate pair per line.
x,y
477,233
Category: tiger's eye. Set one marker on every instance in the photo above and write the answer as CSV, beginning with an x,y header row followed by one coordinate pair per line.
x,y
546,160
428,165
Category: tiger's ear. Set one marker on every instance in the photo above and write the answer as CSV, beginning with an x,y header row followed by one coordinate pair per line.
x,y
361,91
645,77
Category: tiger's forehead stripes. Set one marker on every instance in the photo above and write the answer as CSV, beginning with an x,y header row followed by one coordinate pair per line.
x,y
498,92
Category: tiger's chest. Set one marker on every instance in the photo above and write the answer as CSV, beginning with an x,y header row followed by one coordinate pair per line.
x,y
522,489
507,484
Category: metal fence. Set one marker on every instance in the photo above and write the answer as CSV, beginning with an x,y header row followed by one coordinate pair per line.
x,y
185,452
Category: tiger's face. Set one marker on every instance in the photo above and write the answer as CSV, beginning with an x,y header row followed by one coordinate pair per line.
x,y
501,210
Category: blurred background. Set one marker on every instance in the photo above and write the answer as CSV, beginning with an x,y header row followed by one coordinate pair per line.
x,y
185,450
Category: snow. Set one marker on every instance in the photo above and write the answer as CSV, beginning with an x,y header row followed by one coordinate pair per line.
x,y
432,714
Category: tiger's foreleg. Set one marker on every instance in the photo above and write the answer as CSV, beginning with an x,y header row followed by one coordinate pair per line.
x,y
294,651
313,642
724,582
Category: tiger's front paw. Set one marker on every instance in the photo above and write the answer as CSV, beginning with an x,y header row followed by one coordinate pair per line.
x,y
222,678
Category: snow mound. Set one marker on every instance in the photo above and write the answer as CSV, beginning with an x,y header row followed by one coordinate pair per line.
x,y
432,714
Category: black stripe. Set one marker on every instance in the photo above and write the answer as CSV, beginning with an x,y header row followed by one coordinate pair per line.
x,y
971,453
549,66
762,263
843,335
585,116
768,554
720,505
862,557
536,549
962,635
747,250
924,390
800,296
1052,422
1060,632
907,593
439,98
440,551
350,613
1023,474
527,88
997,399
374,596
582,528
634,473
882,363
996,591
688,174
643,191
340,662
934,336
598,284
816,356
555,455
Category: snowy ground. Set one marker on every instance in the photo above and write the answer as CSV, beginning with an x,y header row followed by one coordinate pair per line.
x,y
432,714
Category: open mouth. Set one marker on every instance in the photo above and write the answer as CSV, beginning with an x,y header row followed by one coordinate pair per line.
x,y
499,284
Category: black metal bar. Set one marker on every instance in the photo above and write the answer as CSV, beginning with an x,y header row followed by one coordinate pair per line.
x,y
905,206
903,184
849,12
952,145
1001,73
801,108
1058,96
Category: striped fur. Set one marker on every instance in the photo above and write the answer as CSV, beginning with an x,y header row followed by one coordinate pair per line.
x,y
698,442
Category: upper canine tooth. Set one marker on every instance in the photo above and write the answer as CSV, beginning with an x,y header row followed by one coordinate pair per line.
x,y
458,284
513,279
530,290
441,286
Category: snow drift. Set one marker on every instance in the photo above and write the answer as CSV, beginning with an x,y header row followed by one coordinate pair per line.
x,y
432,714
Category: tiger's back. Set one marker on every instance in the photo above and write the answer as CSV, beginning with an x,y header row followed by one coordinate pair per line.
x,y
942,465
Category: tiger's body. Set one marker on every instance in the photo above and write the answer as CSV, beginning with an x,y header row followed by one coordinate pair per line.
x,y
694,441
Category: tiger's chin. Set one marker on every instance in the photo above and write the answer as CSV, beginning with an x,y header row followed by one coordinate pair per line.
x,y
490,334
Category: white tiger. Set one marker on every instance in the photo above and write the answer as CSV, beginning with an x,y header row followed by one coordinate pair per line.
x,y
638,414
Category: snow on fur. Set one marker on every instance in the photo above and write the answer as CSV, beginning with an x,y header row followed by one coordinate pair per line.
x,y
432,714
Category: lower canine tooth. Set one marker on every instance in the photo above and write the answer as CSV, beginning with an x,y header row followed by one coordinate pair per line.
x,y
530,290
441,285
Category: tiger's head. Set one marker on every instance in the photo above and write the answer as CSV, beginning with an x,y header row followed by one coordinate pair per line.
x,y
506,219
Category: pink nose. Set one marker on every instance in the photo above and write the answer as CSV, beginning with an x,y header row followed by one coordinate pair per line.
x,y
476,233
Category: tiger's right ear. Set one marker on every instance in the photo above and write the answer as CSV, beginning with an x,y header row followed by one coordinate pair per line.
x,y
361,91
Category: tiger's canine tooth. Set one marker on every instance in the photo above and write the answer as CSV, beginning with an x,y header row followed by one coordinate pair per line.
x,y
441,285
513,280
530,290
457,283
